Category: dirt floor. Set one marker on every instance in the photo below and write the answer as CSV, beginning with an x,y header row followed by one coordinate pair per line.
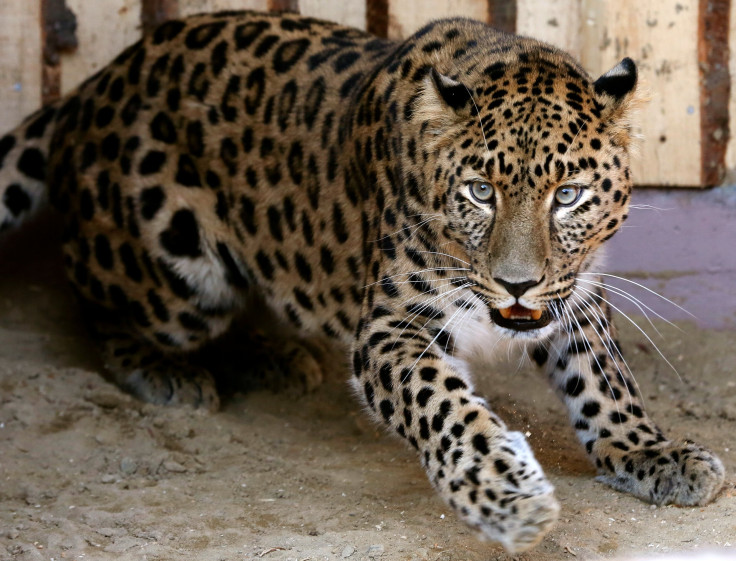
x,y
87,472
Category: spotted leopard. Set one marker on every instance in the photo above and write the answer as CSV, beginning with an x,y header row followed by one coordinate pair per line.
x,y
418,203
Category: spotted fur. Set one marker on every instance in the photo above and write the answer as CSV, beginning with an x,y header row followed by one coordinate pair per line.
x,y
418,203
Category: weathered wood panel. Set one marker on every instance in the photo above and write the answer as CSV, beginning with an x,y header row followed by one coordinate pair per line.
x,y
406,16
555,21
662,37
103,30
682,49
20,61
348,12
189,7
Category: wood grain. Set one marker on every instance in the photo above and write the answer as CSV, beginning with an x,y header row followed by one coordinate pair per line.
x,y
20,61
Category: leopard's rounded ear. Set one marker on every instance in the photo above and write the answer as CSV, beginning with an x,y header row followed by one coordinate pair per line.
x,y
619,83
454,94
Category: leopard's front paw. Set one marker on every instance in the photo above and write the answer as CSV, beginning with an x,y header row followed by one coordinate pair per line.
x,y
681,473
498,488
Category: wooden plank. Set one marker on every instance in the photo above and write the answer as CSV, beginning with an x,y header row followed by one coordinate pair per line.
x,y
662,37
347,12
407,16
555,21
377,17
715,88
104,29
503,14
20,63
189,7
731,149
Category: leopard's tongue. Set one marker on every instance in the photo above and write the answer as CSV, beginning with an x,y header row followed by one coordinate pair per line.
x,y
519,312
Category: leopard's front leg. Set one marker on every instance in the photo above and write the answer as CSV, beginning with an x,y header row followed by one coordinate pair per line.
x,y
485,472
589,373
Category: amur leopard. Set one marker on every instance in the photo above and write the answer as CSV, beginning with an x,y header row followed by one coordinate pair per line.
x,y
419,203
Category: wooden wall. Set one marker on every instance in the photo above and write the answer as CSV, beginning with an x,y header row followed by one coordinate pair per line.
x,y
681,47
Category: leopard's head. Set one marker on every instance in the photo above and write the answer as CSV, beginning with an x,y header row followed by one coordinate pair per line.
x,y
527,161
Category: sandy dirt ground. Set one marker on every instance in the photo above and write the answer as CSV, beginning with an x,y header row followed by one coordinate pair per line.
x,y
87,472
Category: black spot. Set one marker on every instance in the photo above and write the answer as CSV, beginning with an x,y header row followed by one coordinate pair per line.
x,y
349,84
618,418
130,112
162,128
117,89
234,274
575,386
591,408
480,443
218,60
265,45
423,396
132,269
182,236
199,85
159,308
256,85
151,200
86,204
103,253
246,34
177,283
168,31
338,224
89,156
195,139
32,164
110,146
387,409
134,70
313,101
452,383
274,223
16,199
247,214
265,265
345,61
152,162
286,104
229,111
6,145
203,35
288,54
229,155
295,162
187,173
303,267
303,300
37,128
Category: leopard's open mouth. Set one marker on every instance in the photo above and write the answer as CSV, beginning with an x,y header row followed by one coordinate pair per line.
x,y
519,318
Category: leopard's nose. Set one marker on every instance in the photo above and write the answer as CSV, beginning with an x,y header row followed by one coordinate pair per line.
x,y
517,289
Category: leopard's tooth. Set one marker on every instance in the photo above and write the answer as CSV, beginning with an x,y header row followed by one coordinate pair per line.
x,y
505,313
536,314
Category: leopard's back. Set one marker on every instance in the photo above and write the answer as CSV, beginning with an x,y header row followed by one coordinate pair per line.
x,y
208,158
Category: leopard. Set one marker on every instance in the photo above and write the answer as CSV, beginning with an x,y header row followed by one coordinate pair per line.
x,y
420,205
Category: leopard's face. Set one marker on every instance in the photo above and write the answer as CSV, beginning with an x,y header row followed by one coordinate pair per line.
x,y
530,185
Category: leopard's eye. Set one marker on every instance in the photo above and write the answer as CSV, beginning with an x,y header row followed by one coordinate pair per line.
x,y
567,195
482,192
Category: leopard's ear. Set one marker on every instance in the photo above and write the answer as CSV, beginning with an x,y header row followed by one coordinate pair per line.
x,y
441,103
455,95
618,98
616,89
